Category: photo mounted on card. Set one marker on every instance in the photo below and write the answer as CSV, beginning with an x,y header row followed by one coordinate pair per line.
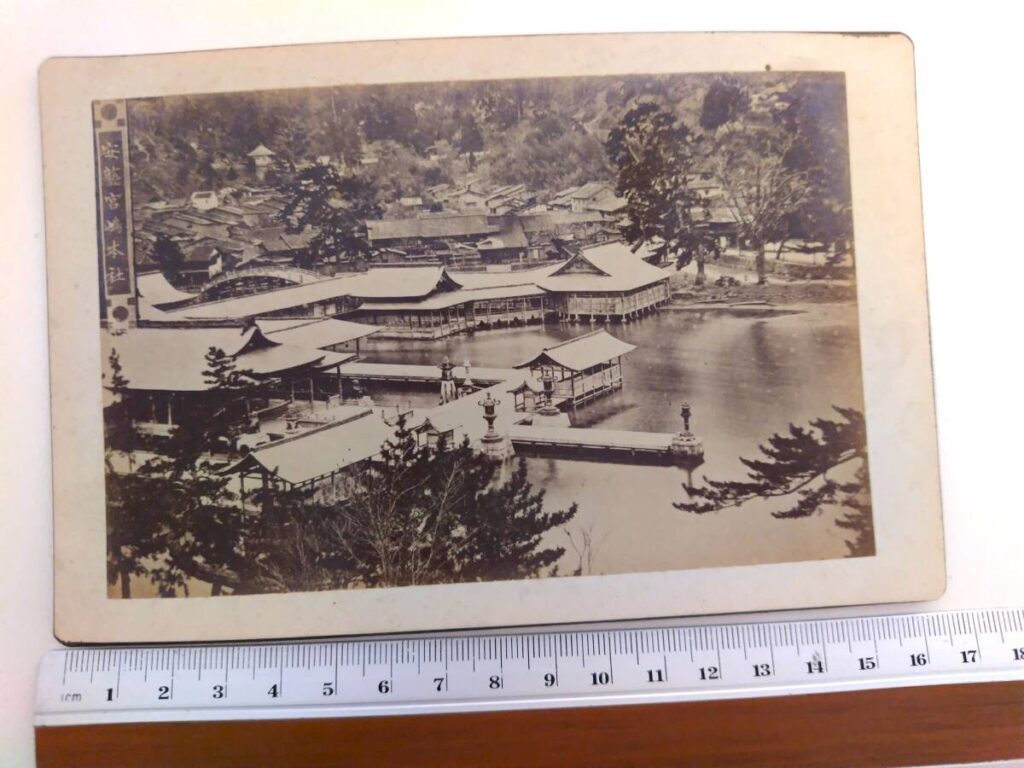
x,y
397,336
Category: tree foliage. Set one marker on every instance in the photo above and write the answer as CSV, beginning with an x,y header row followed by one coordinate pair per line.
x,y
168,256
796,467
417,514
750,151
173,517
781,157
336,206
656,157
431,514
725,102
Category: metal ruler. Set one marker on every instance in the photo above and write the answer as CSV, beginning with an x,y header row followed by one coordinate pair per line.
x,y
534,669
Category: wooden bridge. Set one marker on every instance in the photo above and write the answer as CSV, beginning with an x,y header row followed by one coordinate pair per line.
x,y
262,277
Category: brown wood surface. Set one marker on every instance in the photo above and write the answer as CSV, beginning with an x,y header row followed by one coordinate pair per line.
x,y
908,726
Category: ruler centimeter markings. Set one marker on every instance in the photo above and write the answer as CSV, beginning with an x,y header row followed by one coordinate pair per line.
x,y
461,672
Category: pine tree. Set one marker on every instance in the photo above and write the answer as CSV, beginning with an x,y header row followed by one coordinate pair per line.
x,y
135,513
656,158
117,418
202,521
168,256
131,534
336,206
285,546
508,523
427,515
796,467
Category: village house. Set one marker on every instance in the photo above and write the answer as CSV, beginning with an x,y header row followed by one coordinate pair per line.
x,y
411,204
508,245
507,199
543,228
204,200
429,232
596,196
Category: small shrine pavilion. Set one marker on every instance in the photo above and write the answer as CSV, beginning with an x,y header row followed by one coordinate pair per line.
x,y
577,370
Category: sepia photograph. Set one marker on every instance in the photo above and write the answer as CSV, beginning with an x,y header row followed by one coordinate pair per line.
x,y
568,330
425,333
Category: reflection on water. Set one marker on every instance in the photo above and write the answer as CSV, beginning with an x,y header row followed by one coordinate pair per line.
x,y
745,375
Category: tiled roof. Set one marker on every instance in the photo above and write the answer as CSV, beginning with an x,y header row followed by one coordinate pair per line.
x,y
173,359
268,302
315,334
582,353
607,267
438,226
454,298
153,286
319,452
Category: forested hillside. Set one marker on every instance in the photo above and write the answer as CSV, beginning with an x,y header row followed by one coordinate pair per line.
x,y
548,134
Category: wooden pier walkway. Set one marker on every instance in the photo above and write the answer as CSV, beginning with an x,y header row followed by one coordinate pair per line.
x,y
582,443
425,374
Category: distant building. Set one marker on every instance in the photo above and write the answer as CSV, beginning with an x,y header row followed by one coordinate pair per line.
x,y
596,196
470,200
261,159
606,282
429,231
507,199
508,246
204,200
411,203
436,152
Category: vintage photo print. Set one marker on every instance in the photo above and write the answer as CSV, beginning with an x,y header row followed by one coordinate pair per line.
x,y
487,341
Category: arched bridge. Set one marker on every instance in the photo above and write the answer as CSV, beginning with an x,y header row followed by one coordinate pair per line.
x,y
239,282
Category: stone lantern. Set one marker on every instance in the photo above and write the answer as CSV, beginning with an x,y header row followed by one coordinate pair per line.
x,y
467,383
548,415
448,390
686,448
493,443
547,380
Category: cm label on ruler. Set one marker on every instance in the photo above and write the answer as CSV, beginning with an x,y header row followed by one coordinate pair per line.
x,y
678,662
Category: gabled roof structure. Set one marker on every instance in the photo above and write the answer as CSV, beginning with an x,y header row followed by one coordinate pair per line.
x,y
590,189
174,359
608,267
582,352
315,334
452,298
431,226
402,283
511,235
472,280
317,453
155,288
268,302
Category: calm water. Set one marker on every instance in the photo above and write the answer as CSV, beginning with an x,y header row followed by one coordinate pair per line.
x,y
745,378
